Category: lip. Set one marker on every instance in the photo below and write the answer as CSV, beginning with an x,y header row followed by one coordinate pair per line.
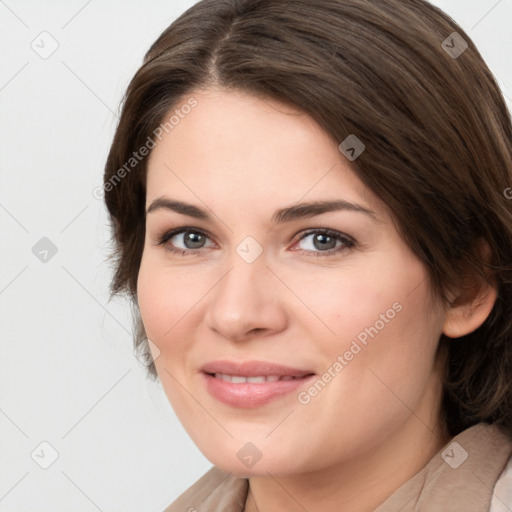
x,y
250,395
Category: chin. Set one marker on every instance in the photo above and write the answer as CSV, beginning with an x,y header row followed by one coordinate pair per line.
x,y
262,466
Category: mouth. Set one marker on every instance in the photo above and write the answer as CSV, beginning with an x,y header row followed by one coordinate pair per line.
x,y
252,384
259,379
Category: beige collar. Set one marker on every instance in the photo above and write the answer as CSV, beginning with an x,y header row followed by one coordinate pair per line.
x,y
460,477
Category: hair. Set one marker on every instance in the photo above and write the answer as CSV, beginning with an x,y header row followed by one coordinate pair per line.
x,y
436,130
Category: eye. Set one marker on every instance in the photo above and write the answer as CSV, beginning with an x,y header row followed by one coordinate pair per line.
x,y
324,242
189,241
184,240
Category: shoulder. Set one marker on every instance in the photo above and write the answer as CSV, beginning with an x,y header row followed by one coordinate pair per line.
x,y
461,476
214,491
502,493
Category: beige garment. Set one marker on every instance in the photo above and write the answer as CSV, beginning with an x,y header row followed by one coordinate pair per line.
x,y
502,497
459,478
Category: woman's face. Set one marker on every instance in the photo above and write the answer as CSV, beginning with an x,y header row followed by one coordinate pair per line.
x,y
254,275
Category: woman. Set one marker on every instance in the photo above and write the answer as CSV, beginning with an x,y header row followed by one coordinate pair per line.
x,y
310,214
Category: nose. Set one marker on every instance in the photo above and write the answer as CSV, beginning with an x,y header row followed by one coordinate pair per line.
x,y
247,301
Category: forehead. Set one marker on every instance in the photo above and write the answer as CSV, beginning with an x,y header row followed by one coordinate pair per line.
x,y
237,147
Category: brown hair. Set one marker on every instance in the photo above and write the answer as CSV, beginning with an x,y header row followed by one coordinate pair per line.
x,y
437,132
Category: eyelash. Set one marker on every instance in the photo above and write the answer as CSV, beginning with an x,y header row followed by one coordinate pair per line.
x,y
348,243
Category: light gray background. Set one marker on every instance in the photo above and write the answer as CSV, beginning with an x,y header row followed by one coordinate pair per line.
x,y
67,372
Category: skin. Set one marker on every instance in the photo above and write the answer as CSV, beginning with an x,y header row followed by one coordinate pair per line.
x,y
241,158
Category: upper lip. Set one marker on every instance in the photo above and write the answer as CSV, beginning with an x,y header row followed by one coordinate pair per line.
x,y
253,369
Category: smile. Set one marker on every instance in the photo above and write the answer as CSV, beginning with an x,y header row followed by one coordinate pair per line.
x,y
253,384
239,379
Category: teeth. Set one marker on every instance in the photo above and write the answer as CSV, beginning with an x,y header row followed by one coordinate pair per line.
x,y
237,379
255,380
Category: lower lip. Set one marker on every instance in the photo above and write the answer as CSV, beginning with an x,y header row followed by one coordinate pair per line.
x,y
250,395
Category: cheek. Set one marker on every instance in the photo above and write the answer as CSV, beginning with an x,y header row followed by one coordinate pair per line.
x,y
164,298
376,316
342,303
151,301
388,352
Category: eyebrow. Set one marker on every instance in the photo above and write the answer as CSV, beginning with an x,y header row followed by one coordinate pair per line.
x,y
288,214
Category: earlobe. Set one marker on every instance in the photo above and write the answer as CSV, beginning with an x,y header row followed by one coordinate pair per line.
x,y
469,311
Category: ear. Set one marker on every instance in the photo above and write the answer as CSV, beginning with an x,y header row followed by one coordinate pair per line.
x,y
472,303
